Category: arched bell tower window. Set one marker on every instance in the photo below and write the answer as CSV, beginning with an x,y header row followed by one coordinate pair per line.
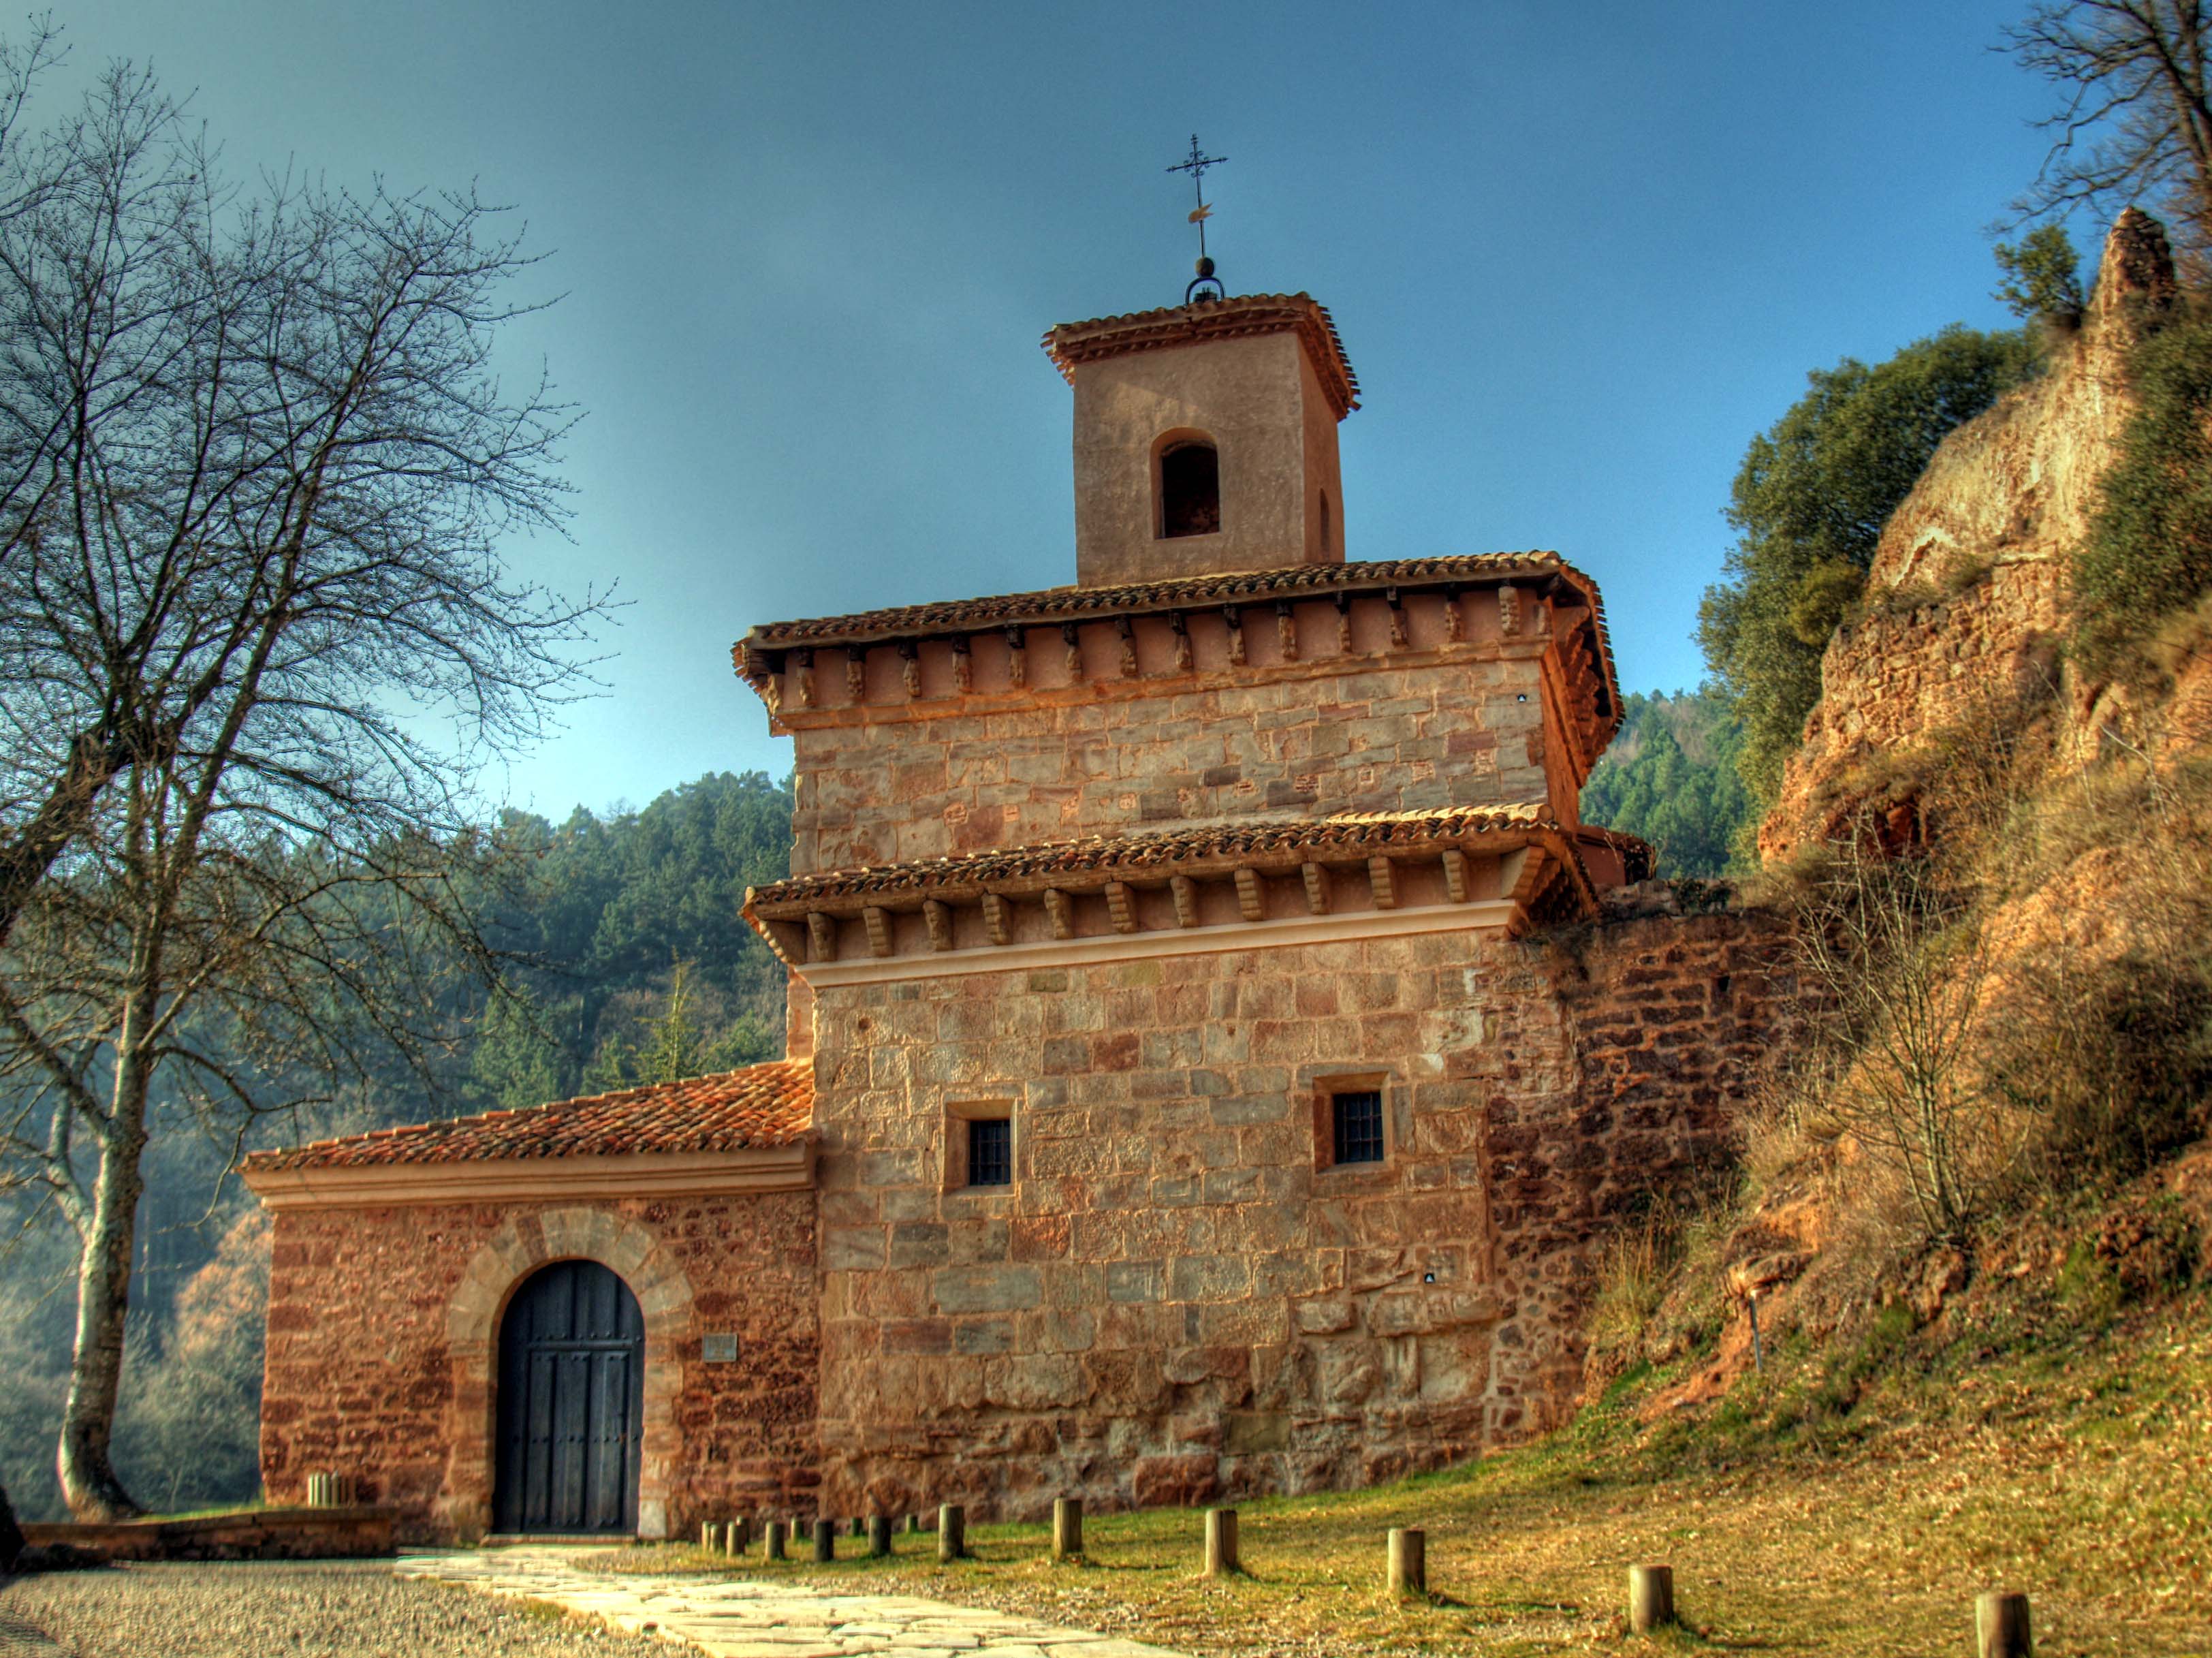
x,y
1190,488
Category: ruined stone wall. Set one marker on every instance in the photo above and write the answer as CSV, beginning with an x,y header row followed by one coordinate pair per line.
x,y
1966,594
1177,1300
382,1344
1432,725
1673,1018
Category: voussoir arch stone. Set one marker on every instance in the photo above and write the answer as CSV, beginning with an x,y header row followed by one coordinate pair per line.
x,y
634,1252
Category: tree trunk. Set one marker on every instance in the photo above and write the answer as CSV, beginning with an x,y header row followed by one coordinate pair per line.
x,y
95,758
11,1535
103,1304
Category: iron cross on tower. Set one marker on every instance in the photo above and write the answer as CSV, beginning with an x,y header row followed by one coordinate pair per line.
x,y
1196,165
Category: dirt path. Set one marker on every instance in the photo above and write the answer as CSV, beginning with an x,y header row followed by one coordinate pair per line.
x,y
514,1603
736,1618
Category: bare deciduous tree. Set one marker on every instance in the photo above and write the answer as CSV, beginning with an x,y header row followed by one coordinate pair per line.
x,y
257,635
2135,119
24,845
1897,970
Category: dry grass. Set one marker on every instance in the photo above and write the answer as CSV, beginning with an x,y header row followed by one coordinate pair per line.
x,y
2078,1469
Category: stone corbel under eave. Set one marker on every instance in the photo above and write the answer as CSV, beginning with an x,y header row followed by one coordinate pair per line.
x,y
1205,903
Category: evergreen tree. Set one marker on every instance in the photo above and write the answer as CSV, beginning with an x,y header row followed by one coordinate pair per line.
x,y
1672,779
513,1063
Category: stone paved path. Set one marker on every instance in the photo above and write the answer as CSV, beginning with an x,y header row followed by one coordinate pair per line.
x,y
733,1617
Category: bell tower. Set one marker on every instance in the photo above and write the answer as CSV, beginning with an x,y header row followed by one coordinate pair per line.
x,y
1206,438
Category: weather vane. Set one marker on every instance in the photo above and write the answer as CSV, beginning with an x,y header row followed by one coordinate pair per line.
x,y
1196,165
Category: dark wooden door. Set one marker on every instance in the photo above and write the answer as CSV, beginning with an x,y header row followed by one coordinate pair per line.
x,y
571,1403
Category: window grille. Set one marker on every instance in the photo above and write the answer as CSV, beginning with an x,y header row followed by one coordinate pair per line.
x,y
990,1151
1359,1127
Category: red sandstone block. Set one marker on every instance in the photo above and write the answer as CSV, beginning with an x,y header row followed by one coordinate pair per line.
x,y
1165,1482
1039,1237
1116,1052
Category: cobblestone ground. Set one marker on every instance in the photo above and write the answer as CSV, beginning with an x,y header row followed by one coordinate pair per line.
x,y
319,1609
735,1618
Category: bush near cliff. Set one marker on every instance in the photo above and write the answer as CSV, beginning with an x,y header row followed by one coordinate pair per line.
x,y
2149,552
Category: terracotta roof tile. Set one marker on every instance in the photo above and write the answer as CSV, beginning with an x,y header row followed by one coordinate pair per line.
x,y
1056,604
1352,833
1075,343
760,1105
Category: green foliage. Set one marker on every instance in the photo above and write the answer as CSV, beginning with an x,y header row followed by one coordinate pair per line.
x,y
674,1044
1672,778
1809,503
613,1065
2042,274
1823,599
514,1062
640,968
2148,551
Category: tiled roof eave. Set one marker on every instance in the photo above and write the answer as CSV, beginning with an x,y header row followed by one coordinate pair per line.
x,y
751,1171
756,1108
1050,606
1265,845
1072,343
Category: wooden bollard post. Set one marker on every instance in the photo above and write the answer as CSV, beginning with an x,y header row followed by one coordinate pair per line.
x,y
825,1540
772,1540
879,1535
2001,1627
1651,1598
860,1526
913,1525
1409,1560
709,1536
1067,1528
738,1536
951,1531
1221,1543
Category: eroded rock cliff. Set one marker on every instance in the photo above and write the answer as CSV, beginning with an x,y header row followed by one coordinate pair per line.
x,y
1967,596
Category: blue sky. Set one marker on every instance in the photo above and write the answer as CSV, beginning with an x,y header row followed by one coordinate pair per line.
x,y
1578,255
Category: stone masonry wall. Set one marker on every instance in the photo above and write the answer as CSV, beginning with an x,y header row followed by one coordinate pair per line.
x,y
1177,1300
1459,725
382,1330
1671,1020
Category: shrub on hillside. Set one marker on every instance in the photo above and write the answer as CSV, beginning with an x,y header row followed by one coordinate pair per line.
x,y
2148,551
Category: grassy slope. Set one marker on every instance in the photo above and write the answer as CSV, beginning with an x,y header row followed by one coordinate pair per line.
x,y
2075,1466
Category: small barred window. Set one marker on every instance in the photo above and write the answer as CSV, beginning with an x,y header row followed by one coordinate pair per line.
x,y
990,1151
1359,1127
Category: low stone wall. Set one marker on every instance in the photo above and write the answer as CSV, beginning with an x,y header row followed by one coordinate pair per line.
x,y
347,1533
1665,1022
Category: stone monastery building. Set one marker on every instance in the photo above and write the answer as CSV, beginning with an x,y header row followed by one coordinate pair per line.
x,y
1188,1091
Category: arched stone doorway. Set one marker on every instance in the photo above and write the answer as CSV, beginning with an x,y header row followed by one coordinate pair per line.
x,y
566,1447
496,1274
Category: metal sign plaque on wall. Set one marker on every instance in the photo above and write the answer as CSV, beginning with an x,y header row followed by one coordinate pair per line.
x,y
719,1347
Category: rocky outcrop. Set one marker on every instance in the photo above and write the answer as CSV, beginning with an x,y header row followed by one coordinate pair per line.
x,y
1965,599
